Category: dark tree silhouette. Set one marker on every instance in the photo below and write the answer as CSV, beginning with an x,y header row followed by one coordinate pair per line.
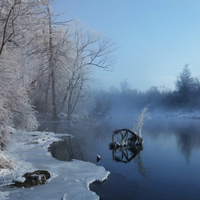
x,y
184,85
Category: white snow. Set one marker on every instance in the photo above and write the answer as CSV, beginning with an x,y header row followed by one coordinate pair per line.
x,y
69,180
175,114
4,195
20,179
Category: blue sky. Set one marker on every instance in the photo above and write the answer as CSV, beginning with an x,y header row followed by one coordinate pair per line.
x,y
156,37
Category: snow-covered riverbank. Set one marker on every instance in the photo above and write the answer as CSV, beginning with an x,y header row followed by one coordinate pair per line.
x,y
69,179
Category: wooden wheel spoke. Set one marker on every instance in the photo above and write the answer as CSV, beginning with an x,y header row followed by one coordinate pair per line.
x,y
121,137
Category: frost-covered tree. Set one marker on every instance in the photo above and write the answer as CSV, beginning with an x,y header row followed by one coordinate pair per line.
x,y
17,19
9,14
102,105
50,61
16,109
184,85
125,87
88,49
74,52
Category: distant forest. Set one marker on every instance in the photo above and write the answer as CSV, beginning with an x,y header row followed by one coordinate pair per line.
x,y
185,97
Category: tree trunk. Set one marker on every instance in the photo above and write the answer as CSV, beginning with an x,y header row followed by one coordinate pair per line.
x,y
52,67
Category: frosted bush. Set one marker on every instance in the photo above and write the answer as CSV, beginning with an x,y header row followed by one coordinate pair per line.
x,y
140,121
16,109
6,161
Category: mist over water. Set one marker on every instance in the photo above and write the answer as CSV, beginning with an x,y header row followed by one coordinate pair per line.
x,y
167,167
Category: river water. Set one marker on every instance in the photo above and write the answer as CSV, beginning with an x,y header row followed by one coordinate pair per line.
x,y
167,167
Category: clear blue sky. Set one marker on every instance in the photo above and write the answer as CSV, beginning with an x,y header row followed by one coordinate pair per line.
x,y
156,37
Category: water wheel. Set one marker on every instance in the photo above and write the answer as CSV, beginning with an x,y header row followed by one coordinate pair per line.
x,y
124,137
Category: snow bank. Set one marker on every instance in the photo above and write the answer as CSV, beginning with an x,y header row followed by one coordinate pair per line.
x,y
4,195
176,114
70,180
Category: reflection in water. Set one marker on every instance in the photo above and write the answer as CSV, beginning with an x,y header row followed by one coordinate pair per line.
x,y
82,146
126,153
188,139
186,132
66,150
142,170
167,144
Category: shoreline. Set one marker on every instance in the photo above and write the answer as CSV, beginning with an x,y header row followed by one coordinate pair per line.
x,y
68,178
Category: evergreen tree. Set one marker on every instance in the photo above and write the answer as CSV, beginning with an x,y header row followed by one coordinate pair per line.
x,y
184,85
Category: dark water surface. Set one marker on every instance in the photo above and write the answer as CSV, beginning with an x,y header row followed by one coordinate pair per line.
x,y
168,166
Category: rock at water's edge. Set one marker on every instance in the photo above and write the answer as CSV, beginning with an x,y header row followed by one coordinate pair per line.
x,y
37,177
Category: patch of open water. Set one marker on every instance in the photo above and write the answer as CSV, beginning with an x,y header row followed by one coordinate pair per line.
x,y
168,166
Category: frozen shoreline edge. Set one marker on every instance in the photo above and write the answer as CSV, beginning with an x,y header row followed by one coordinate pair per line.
x,y
76,175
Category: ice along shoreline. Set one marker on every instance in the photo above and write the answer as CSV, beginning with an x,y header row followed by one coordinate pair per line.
x,y
68,178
